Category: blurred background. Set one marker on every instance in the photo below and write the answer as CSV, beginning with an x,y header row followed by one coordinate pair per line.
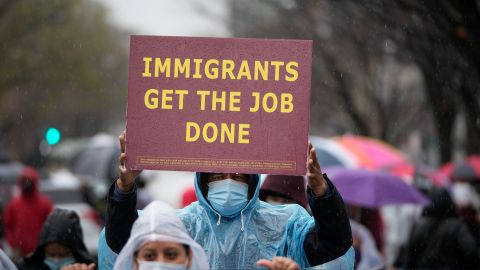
x,y
404,72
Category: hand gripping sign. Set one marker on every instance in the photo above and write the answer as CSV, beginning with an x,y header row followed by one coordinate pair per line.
x,y
218,104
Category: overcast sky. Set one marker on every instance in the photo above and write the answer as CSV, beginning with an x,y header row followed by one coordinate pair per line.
x,y
170,17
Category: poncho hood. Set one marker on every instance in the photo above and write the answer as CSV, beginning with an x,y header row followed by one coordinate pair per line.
x,y
253,191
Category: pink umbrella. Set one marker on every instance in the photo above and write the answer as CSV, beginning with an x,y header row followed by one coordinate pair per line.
x,y
372,153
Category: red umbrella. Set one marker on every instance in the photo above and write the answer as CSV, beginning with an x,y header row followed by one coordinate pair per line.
x,y
467,170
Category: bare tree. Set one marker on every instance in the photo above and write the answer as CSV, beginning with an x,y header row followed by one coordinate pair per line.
x,y
63,66
442,38
362,82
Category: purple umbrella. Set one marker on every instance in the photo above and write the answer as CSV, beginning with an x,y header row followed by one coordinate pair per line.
x,y
373,189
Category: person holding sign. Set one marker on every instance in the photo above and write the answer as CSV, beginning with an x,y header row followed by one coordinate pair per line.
x,y
236,229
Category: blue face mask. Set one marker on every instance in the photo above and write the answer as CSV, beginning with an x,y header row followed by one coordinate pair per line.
x,y
227,196
154,265
56,264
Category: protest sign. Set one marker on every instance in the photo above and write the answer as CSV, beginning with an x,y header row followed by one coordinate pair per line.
x,y
218,104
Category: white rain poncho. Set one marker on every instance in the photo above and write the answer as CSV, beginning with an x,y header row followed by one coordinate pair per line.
x,y
158,222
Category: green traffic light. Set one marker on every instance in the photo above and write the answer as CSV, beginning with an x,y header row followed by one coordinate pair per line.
x,y
53,136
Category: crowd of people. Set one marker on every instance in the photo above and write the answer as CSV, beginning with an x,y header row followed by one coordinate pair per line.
x,y
237,221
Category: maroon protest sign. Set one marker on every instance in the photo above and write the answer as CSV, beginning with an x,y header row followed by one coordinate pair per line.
x,y
218,104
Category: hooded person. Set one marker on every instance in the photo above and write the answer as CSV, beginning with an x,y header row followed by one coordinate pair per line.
x,y
24,214
287,189
439,240
283,189
60,243
158,224
235,228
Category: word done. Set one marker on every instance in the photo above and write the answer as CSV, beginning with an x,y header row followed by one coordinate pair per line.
x,y
210,132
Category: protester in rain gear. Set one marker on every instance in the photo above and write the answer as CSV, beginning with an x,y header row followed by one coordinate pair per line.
x,y
159,223
439,240
24,215
284,189
289,189
60,244
238,230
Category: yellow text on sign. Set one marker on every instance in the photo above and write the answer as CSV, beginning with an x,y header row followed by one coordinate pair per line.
x,y
219,100
270,102
211,132
229,101
166,97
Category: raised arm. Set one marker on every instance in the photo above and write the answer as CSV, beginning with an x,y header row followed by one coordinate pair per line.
x,y
126,181
332,235
121,204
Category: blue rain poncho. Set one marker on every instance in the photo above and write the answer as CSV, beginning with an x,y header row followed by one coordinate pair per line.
x,y
159,222
259,231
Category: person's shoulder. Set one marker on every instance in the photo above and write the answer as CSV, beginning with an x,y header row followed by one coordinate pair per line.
x,y
263,204
280,216
287,209
190,215
14,202
192,209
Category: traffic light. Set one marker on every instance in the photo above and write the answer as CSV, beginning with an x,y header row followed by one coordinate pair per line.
x,y
53,136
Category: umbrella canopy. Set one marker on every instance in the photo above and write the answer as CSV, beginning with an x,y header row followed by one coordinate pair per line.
x,y
332,154
468,170
374,189
371,153
413,173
